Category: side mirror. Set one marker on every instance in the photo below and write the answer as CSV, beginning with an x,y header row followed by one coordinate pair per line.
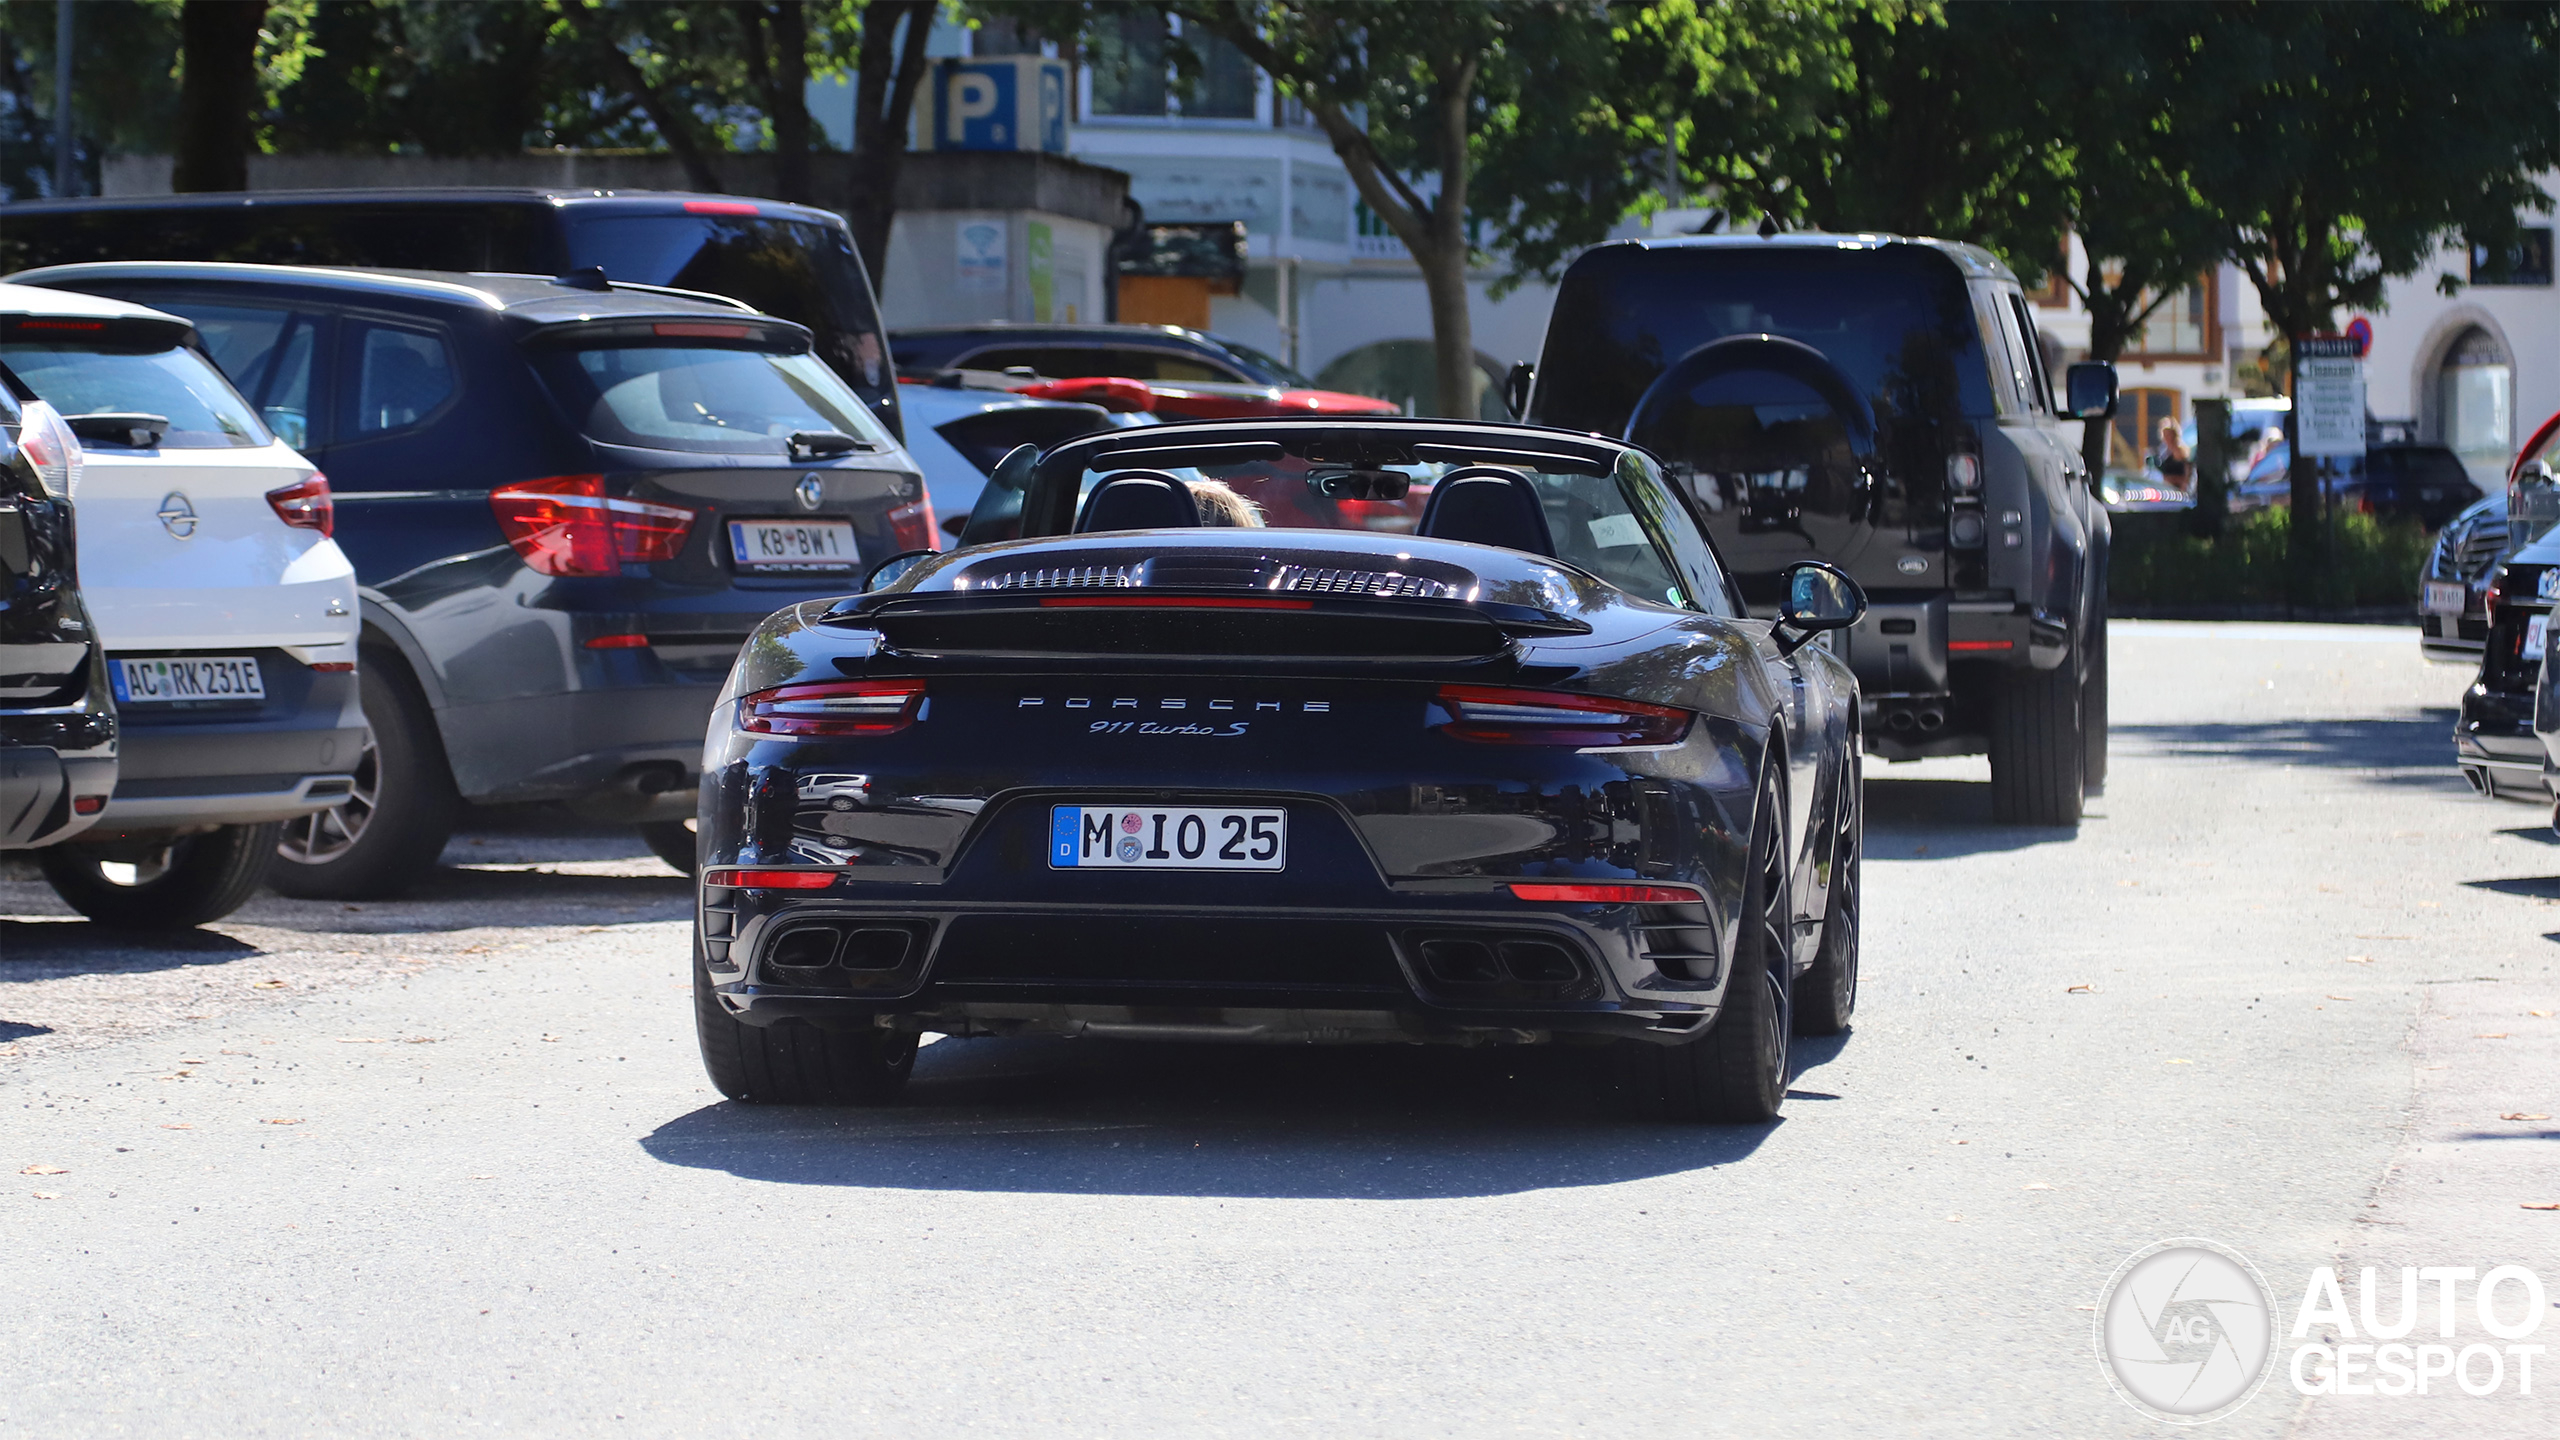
x,y
2089,389
1819,598
888,572
1515,388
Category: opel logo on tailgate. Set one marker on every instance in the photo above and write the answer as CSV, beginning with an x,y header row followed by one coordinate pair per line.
x,y
177,516
812,491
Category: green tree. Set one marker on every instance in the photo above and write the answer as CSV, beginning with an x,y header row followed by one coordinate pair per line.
x,y
2341,145
1513,131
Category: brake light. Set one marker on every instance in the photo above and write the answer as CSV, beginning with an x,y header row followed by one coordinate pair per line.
x,y
1491,716
701,330
2496,596
567,525
1609,894
50,446
833,707
88,804
914,526
306,504
1964,474
619,642
1960,646
720,207
769,879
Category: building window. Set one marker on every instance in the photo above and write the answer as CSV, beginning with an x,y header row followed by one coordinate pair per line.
x,y
2475,398
2183,325
1130,62
1127,62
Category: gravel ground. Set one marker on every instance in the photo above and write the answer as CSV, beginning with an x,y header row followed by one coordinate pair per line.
x,y
518,879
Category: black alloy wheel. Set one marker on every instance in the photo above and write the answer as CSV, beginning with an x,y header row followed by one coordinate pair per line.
x,y
1827,994
408,808
1736,1073
796,1062
176,885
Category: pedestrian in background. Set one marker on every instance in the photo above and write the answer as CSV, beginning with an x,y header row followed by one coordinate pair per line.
x,y
2176,470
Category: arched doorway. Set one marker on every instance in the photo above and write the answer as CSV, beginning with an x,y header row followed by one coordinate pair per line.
x,y
1406,372
2475,404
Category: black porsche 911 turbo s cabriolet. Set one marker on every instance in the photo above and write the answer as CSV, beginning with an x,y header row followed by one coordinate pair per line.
x,y
1297,731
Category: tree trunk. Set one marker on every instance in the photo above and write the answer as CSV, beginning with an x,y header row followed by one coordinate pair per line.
x,y
1453,343
791,100
219,40
890,66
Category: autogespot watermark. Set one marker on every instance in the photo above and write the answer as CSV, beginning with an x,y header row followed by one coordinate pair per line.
x,y
2187,1331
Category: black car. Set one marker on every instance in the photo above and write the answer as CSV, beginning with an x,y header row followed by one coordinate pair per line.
x,y
795,261
2495,738
2453,585
2425,483
1178,747
1881,403
57,714
1136,352
567,505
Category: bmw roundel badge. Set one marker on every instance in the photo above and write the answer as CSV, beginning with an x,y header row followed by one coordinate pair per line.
x,y
811,490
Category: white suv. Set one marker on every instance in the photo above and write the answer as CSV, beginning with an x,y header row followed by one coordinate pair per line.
x,y
227,613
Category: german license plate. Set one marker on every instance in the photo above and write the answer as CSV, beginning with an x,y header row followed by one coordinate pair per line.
x,y
2445,597
793,544
195,677
1166,837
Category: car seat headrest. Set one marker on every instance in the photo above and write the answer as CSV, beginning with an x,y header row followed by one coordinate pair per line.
x,y
1138,500
1487,505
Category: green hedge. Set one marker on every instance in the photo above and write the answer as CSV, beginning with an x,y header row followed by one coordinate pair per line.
x,y
2158,563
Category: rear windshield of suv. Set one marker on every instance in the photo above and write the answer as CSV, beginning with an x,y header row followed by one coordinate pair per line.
x,y
714,400
1896,321
179,385
803,272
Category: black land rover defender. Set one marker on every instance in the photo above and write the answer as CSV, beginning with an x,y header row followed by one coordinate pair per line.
x,y
1880,403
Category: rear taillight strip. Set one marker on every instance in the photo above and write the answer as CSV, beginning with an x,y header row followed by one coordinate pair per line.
x,y
833,708
1491,716
567,525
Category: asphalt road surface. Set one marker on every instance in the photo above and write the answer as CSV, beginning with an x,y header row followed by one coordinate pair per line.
x,y
450,1165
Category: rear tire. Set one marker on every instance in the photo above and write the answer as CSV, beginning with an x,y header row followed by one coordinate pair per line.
x,y
672,841
190,881
2037,747
795,1062
1736,1073
2093,710
1827,994
387,836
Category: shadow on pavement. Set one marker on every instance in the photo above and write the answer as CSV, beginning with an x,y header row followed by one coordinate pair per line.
x,y
51,949
1940,820
2535,887
13,1030
2420,745
1093,1117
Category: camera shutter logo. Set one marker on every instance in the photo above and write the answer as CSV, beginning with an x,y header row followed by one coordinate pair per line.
x,y
177,516
2186,1331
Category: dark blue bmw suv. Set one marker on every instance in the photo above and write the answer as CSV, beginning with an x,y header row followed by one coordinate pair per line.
x,y
568,502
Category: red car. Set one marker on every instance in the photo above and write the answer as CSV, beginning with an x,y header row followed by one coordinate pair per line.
x,y
1205,399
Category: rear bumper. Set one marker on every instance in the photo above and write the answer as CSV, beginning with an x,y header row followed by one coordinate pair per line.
x,y
2495,746
37,787
1432,966
290,756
